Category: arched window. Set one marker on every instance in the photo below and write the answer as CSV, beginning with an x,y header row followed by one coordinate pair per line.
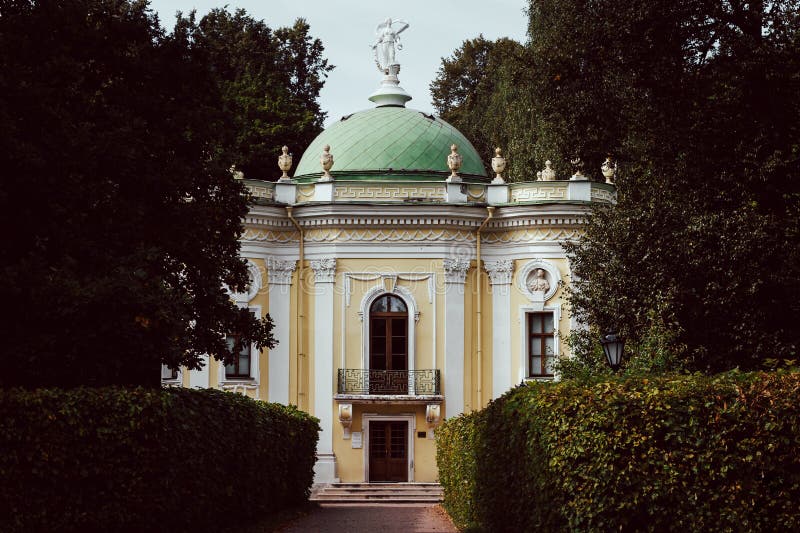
x,y
388,347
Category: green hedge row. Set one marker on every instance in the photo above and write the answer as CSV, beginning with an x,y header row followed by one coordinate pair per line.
x,y
115,459
687,453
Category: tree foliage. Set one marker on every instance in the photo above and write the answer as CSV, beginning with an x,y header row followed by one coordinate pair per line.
x,y
699,103
704,237
122,220
269,81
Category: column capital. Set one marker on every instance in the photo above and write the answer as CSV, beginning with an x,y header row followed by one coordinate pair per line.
x,y
455,270
280,271
324,270
500,271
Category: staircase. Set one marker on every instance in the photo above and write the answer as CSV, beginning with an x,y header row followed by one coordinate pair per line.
x,y
357,493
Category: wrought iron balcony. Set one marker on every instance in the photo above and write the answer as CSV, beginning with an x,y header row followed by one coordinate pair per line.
x,y
396,382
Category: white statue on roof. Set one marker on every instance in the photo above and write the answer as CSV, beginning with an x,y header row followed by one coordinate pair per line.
x,y
387,42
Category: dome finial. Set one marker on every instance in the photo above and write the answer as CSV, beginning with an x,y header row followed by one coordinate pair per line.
x,y
327,162
454,163
387,42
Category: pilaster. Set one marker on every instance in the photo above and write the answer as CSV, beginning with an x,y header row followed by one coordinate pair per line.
x,y
324,276
280,282
455,275
500,274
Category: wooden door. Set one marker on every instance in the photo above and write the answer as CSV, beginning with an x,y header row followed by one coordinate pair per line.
x,y
388,451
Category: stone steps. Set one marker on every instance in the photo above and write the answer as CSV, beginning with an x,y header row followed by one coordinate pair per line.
x,y
377,493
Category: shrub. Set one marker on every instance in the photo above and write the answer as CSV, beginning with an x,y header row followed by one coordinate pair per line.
x,y
665,453
116,459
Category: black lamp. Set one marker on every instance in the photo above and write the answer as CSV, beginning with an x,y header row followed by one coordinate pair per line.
x,y
613,347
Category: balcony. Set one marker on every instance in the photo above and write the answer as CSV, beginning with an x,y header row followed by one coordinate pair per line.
x,y
377,386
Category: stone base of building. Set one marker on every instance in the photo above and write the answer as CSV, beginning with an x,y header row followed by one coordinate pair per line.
x,y
325,469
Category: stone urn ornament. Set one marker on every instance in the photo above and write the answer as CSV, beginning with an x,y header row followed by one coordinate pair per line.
x,y
285,163
327,162
547,174
498,165
609,169
577,169
454,161
237,174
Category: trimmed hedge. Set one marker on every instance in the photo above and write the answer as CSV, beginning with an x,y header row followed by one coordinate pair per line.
x,y
677,453
116,459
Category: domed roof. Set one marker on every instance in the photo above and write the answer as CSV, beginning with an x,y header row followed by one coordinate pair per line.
x,y
391,140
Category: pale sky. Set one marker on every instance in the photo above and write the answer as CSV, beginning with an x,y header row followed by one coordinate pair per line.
x,y
347,30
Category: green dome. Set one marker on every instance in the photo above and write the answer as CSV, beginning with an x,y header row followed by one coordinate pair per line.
x,y
392,141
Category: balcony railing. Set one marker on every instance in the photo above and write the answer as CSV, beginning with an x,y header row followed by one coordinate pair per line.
x,y
396,382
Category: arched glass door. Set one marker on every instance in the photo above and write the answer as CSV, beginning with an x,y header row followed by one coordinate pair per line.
x,y
388,347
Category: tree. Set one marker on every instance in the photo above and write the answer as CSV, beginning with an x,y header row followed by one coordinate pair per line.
x,y
703,115
699,103
122,222
269,81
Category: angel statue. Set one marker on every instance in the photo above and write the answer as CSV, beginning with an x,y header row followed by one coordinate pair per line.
x,y
387,39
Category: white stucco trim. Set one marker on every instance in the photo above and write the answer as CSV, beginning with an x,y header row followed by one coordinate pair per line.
x,y
280,295
454,324
552,274
199,379
413,316
244,385
502,374
324,280
366,418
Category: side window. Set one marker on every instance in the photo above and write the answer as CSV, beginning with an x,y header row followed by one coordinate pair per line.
x,y
541,344
240,368
168,374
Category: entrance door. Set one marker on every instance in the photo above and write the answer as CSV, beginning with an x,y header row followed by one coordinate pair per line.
x,y
388,451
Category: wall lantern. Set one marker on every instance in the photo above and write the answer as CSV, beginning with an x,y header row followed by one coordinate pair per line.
x,y
613,347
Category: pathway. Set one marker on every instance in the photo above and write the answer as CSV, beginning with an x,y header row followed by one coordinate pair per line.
x,y
373,517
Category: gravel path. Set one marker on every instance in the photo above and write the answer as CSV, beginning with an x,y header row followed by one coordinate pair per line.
x,y
368,518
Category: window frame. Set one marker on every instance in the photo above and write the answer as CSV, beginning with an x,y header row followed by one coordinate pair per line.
x,y
541,338
371,296
238,361
389,338
255,354
176,375
524,336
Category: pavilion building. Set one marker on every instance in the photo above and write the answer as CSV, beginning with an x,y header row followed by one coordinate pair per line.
x,y
405,283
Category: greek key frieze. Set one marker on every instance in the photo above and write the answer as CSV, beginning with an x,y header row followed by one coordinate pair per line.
x,y
539,193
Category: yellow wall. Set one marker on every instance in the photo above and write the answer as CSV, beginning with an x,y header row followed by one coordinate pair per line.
x,y
350,461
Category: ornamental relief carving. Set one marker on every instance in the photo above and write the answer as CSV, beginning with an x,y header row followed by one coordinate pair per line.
x,y
280,271
532,235
389,192
387,235
324,270
539,192
455,270
539,279
602,195
500,271
265,192
261,235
